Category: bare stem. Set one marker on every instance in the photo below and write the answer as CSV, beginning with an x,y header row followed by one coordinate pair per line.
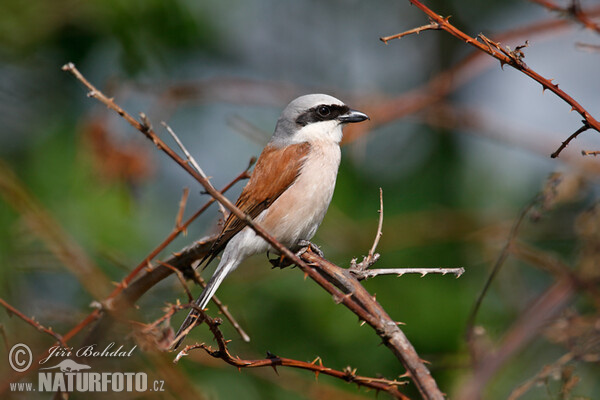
x,y
192,161
432,26
370,273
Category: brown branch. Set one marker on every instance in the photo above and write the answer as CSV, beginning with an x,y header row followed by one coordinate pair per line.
x,y
445,82
360,270
346,289
182,260
379,226
380,321
181,280
125,295
177,230
222,307
348,374
372,257
191,160
182,204
514,58
590,152
418,30
564,144
547,371
573,10
35,365
33,322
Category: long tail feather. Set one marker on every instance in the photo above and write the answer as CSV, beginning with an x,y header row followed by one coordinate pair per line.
x,y
224,268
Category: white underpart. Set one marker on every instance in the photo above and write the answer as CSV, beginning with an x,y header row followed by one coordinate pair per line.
x,y
301,208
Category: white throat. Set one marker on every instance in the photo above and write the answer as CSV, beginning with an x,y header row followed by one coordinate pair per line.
x,y
324,131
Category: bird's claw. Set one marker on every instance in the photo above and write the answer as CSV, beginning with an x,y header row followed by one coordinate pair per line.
x,y
304,245
307,245
280,262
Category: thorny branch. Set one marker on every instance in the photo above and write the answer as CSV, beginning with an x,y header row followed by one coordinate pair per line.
x,y
222,352
361,270
370,273
192,161
573,10
352,295
124,295
33,322
514,58
564,144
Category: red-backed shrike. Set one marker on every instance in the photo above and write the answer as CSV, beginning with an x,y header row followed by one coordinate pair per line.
x,y
290,189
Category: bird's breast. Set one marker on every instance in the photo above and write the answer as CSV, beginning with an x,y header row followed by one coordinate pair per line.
x,y
298,212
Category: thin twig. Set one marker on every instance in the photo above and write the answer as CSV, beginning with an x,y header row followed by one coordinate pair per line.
x,y
547,371
124,295
512,58
193,161
181,279
224,309
592,48
432,26
372,257
379,225
33,322
564,144
370,273
442,84
348,374
182,204
496,268
590,152
574,10
4,338
525,329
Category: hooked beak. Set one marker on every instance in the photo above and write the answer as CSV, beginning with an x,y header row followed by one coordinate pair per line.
x,y
353,116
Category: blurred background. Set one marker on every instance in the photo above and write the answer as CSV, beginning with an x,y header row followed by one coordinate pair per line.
x,y
459,146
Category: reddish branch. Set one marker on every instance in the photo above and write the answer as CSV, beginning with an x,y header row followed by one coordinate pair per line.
x,y
590,153
33,322
564,144
353,295
348,374
573,10
417,30
125,295
514,58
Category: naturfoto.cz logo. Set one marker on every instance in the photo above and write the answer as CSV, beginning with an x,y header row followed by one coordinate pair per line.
x,y
71,376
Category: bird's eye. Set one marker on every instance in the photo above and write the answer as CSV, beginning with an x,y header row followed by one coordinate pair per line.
x,y
323,111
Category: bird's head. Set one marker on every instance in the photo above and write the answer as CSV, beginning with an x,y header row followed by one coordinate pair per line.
x,y
314,117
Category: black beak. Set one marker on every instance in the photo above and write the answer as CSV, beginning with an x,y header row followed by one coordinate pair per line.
x,y
353,116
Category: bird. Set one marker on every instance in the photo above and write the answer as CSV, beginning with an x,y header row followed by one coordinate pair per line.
x,y
289,190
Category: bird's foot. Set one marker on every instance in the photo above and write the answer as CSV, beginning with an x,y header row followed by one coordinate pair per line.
x,y
280,262
307,245
304,245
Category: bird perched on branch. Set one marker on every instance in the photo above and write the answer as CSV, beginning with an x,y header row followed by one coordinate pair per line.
x,y
290,189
